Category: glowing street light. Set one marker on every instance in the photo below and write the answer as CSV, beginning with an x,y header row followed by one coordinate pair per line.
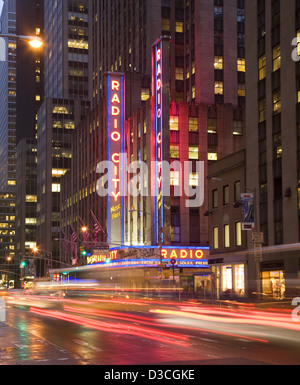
x,y
33,41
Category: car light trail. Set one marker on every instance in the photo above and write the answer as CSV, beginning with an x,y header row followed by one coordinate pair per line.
x,y
152,334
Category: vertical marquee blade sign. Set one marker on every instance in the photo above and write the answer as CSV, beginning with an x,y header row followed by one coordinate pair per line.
x,y
116,117
160,125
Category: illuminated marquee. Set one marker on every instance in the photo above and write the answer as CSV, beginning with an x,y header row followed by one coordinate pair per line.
x,y
116,115
184,254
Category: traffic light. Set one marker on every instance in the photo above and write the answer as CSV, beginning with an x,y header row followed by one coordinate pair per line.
x,y
23,264
83,251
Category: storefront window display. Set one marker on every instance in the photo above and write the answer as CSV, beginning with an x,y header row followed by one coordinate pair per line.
x,y
273,284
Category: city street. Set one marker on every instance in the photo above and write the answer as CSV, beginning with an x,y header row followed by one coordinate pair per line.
x,y
98,329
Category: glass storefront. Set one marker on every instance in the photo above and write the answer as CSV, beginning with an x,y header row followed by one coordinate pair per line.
x,y
230,280
273,283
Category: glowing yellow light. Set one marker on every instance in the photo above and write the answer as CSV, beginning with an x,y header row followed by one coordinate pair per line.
x,y
36,43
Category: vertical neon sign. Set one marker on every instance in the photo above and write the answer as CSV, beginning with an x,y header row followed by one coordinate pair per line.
x,y
116,108
157,91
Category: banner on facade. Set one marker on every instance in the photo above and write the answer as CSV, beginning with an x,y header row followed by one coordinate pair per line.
x,y
248,210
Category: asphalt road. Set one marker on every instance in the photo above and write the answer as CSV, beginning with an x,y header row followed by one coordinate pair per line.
x,y
101,330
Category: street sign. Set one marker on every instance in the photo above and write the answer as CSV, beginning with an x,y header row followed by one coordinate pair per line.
x,y
257,237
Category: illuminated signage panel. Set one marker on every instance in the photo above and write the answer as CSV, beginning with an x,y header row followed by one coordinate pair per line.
x,y
184,253
116,116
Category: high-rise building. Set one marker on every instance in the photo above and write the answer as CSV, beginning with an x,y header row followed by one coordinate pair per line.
x,y
8,92
188,57
21,81
66,50
272,126
66,103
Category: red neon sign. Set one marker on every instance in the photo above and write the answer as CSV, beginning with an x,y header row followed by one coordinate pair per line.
x,y
182,254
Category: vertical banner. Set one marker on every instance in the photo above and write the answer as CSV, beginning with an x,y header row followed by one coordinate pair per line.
x,y
160,126
116,116
248,211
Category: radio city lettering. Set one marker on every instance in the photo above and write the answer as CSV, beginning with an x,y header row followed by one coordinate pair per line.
x,y
158,122
182,254
116,136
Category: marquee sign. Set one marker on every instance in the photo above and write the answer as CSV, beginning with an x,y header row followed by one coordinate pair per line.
x,y
116,116
184,253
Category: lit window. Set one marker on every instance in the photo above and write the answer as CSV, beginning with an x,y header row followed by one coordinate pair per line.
x,y
174,123
193,152
226,236
79,44
174,151
174,178
193,125
179,26
31,198
55,188
37,98
212,126
241,65
218,64
193,179
57,173
216,238
165,24
276,58
30,221
145,94
179,73
11,182
241,89
238,234
262,67
60,110
219,88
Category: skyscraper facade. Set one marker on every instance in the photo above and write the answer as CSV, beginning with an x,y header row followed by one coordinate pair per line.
x,y
8,89
66,103
272,117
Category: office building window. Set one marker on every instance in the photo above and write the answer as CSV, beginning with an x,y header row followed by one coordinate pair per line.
x,y
238,234
174,151
215,201
276,58
193,125
216,238
174,123
193,152
241,65
226,195
262,67
218,64
226,236
262,110
219,88
277,102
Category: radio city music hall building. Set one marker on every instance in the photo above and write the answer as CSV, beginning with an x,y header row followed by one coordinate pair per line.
x,y
178,112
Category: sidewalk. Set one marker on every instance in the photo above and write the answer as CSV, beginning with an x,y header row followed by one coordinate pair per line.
x,y
18,347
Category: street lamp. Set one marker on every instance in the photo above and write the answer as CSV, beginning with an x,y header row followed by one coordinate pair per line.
x,y
33,41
